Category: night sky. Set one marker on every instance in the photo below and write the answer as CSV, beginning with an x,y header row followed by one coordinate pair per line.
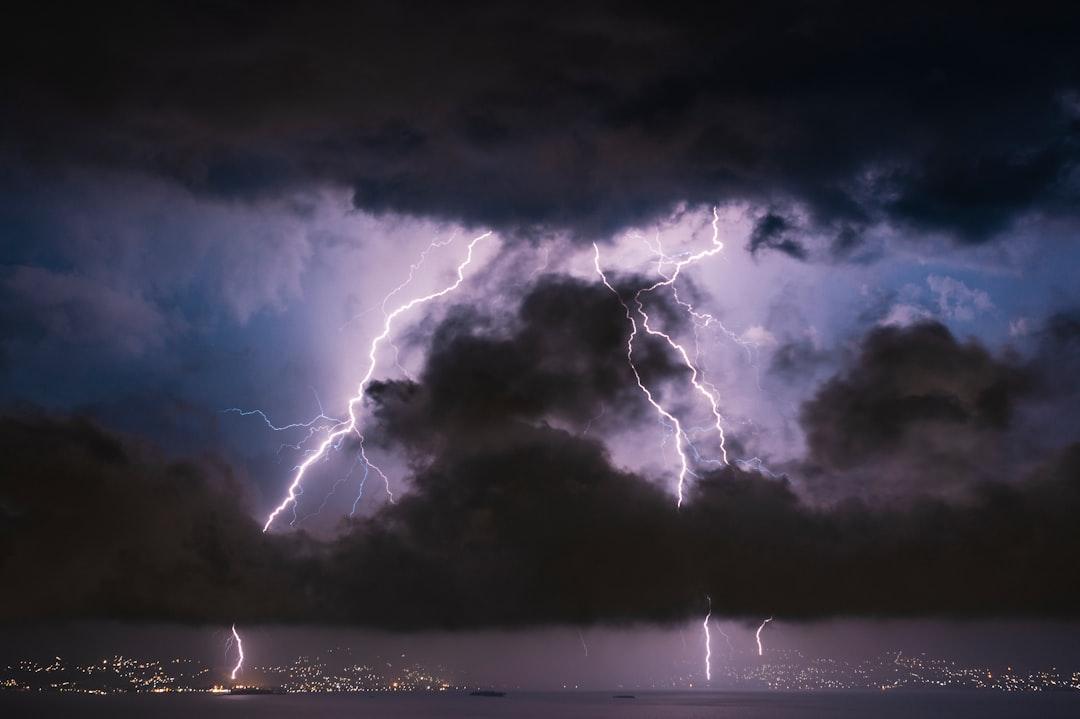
x,y
209,211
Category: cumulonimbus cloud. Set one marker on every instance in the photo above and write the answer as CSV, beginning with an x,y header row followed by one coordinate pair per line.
x,y
511,521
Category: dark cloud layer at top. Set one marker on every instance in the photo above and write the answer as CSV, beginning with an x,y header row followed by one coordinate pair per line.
x,y
956,120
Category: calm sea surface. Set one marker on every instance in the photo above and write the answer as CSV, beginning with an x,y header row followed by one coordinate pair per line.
x,y
744,705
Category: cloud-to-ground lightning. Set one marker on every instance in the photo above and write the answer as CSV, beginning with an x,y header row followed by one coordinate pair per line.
x,y
757,636
239,652
727,639
352,424
708,641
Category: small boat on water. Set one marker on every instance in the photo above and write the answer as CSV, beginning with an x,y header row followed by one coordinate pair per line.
x,y
486,693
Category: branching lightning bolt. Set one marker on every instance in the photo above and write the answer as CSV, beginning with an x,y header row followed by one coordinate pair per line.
x,y
703,388
351,426
706,390
680,436
434,244
240,654
310,424
757,636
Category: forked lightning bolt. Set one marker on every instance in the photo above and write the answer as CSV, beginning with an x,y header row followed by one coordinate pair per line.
x,y
703,388
239,652
352,425
680,436
707,391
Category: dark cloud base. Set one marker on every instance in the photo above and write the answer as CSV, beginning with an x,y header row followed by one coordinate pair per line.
x,y
539,530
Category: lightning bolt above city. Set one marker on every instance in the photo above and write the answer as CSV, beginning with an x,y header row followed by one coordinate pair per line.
x,y
757,636
351,426
239,643
708,640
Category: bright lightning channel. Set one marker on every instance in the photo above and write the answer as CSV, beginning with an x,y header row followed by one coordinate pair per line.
x,y
240,654
708,641
680,436
757,636
703,388
351,426
707,391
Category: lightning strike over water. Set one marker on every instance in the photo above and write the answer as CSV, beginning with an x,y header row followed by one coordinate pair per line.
x,y
708,641
584,646
351,426
240,653
757,636
727,638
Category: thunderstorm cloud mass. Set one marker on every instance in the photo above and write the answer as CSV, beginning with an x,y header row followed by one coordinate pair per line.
x,y
497,316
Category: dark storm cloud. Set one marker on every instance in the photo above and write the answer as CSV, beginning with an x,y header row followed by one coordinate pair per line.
x,y
512,521
907,377
953,120
562,356
1060,337
95,525
532,527
522,525
773,232
914,407
1057,391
